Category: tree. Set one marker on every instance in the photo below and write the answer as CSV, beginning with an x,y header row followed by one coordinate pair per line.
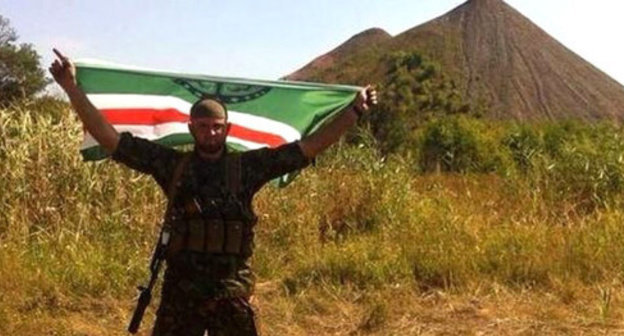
x,y
21,75
414,90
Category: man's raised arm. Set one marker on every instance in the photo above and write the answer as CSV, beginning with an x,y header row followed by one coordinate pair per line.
x,y
318,141
64,73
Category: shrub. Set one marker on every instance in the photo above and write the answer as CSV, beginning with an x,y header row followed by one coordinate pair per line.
x,y
460,144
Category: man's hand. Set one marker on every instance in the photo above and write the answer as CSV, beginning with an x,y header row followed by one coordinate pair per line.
x,y
364,100
63,71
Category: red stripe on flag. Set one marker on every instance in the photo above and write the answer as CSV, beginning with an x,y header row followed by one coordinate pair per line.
x,y
146,116
245,133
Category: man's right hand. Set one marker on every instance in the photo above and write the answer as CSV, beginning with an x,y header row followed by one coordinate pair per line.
x,y
63,71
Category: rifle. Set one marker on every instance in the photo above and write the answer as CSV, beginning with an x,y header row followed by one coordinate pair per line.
x,y
146,292
160,251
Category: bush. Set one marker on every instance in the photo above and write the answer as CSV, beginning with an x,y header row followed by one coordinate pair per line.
x,y
525,145
584,166
460,144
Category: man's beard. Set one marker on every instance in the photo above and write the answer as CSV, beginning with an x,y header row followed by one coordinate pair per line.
x,y
210,148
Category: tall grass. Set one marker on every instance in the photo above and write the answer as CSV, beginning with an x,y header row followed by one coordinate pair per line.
x,y
69,230
478,207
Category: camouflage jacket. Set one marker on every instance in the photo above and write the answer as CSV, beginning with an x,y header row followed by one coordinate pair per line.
x,y
208,275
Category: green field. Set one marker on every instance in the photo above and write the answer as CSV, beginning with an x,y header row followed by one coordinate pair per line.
x,y
477,228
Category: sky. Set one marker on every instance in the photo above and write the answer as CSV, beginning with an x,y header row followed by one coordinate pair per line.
x,y
268,39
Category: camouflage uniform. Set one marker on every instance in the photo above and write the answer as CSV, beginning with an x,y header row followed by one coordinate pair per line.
x,y
208,290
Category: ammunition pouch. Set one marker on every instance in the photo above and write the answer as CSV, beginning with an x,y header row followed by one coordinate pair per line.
x,y
176,242
213,236
233,237
215,232
196,235
219,225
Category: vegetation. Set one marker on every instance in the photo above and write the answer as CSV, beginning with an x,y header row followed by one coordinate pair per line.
x,y
414,90
492,227
21,75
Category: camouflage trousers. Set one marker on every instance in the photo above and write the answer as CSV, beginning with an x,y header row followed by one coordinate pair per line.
x,y
179,314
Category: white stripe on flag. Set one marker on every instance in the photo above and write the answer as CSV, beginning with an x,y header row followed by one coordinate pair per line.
x,y
146,132
130,101
265,125
246,143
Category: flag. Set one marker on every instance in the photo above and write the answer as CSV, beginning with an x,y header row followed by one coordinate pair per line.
x,y
155,105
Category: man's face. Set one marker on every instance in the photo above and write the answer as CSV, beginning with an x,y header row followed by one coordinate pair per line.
x,y
209,133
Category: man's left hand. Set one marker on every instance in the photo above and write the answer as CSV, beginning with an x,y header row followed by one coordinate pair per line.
x,y
365,99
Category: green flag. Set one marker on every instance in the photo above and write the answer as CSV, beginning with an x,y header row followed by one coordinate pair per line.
x,y
155,105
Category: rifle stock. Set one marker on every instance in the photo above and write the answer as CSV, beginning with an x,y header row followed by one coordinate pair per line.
x,y
146,292
144,299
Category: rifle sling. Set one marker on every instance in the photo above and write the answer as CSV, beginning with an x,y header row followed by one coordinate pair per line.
x,y
175,179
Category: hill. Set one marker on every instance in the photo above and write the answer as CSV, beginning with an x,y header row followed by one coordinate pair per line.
x,y
495,55
373,36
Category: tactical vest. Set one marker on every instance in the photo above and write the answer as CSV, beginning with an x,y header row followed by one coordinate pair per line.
x,y
221,225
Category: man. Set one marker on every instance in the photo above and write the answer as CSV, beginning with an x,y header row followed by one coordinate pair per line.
x,y
208,280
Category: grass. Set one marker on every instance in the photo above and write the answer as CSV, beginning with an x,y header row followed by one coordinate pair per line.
x,y
360,244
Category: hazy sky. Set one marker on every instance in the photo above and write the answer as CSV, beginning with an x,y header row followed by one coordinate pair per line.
x,y
272,38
